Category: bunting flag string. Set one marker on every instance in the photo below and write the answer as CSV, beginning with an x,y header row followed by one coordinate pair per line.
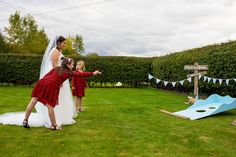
x,y
189,79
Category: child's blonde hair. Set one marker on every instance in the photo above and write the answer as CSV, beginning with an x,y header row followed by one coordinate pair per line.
x,y
80,63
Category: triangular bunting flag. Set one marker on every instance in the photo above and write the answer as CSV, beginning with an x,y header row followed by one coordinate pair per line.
x,y
227,81
200,76
214,80
165,83
173,83
220,81
189,79
157,80
209,79
181,82
150,77
235,80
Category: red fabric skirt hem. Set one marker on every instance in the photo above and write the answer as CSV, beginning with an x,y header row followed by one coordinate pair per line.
x,y
45,102
79,93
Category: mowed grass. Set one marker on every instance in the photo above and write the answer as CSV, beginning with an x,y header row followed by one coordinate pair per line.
x,y
120,122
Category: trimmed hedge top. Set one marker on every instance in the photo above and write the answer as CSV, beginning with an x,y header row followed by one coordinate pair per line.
x,y
24,69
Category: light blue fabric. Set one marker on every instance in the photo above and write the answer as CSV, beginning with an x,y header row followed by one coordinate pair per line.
x,y
212,105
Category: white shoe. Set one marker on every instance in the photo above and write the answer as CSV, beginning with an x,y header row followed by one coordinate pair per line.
x,y
75,115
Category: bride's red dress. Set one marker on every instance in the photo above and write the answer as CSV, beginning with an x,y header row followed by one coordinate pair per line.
x,y
47,89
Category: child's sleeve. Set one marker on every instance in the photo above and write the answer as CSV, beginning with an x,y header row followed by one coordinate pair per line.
x,y
82,74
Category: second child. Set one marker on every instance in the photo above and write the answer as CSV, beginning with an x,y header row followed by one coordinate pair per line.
x,y
79,85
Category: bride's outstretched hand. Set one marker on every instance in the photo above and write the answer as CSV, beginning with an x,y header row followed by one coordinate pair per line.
x,y
97,72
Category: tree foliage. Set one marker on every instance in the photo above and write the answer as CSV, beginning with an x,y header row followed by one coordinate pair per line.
x,y
4,47
78,44
74,45
24,36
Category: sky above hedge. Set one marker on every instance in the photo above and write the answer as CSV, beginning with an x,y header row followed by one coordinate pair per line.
x,y
132,27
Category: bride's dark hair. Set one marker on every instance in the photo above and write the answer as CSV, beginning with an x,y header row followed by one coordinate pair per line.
x,y
60,39
64,64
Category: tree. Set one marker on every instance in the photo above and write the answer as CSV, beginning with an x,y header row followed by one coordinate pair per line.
x,y
78,44
3,45
74,45
68,50
92,54
36,42
15,31
24,36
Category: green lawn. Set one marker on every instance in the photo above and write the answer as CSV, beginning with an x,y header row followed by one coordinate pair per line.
x,y
120,122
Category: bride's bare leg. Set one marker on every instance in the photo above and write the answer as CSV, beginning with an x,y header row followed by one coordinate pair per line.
x,y
52,115
30,107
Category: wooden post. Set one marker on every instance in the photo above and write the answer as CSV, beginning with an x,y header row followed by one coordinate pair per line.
x,y
196,77
196,67
173,114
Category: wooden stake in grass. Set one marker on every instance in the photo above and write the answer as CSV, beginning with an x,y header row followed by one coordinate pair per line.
x,y
173,114
196,67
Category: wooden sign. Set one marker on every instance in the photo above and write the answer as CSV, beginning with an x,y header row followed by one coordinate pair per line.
x,y
198,70
198,74
196,67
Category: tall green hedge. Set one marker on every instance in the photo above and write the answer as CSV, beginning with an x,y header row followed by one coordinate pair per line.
x,y
24,69
220,58
132,71
19,69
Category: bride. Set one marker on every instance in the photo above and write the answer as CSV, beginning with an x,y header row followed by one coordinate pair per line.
x,y
65,111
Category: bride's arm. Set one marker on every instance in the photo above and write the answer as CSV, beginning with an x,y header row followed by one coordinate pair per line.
x,y
55,58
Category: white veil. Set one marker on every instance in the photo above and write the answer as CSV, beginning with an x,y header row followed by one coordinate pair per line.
x,y
46,63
